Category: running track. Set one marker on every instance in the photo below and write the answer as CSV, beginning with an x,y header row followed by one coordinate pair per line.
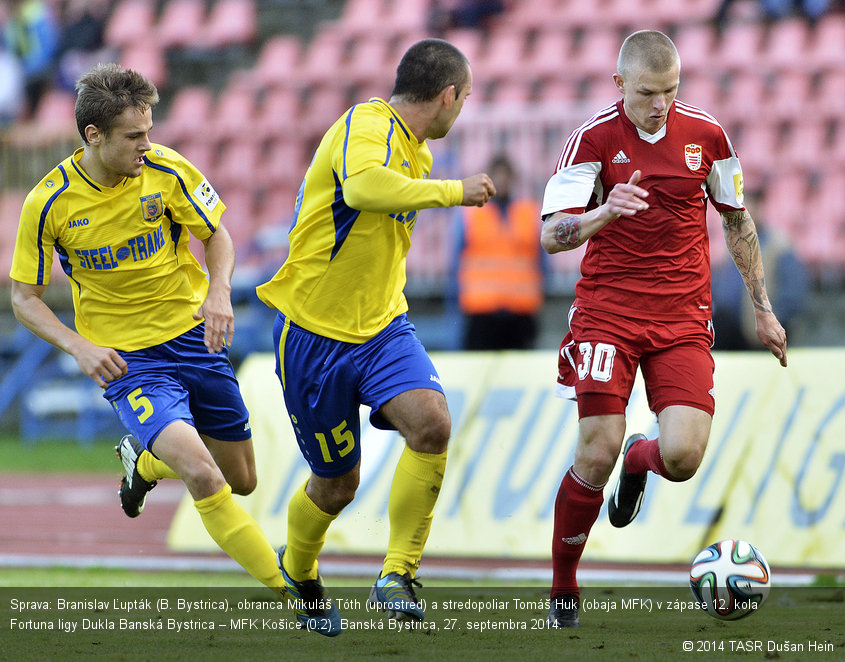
x,y
49,520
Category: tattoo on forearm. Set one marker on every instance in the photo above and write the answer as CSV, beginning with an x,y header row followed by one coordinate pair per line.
x,y
568,232
744,247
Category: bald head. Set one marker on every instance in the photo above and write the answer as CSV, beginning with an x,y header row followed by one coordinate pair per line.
x,y
646,50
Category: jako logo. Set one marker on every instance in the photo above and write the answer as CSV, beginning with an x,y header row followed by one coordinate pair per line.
x,y
77,222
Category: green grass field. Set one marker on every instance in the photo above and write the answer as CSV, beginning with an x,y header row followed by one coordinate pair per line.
x,y
468,624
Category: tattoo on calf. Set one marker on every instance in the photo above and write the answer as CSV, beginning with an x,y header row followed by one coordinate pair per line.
x,y
568,232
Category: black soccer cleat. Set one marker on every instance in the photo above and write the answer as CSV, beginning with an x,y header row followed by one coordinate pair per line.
x,y
133,489
627,497
563,612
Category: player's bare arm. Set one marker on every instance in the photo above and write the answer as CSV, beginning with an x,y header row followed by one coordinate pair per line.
x,y
564,231
478,189
744,248
102,364
217,307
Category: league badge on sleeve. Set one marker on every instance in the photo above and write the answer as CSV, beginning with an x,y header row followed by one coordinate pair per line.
x,y
152,207
206,194
692,155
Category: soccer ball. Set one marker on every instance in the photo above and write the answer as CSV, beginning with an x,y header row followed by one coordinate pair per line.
x,y
730,579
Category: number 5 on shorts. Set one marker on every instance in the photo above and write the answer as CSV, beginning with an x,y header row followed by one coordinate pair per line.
x,y
140,402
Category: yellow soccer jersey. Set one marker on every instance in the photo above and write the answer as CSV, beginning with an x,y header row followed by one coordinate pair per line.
x,y
345,272
125,249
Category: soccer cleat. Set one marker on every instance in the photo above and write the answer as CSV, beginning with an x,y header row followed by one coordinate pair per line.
x,y
314,610
133,489
394,593
627,496
563,612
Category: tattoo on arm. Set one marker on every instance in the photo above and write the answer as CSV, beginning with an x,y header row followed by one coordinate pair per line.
x,y
568,232
744,247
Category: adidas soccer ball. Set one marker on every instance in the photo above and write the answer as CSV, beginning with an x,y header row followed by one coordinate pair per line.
x,y
730,579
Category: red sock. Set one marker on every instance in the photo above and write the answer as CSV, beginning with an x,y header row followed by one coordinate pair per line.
x,y
576,508
646,456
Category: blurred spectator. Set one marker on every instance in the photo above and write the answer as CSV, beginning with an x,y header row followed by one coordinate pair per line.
x,y
812,10
32,35
787,281
499,267
11,81
82,44
447,14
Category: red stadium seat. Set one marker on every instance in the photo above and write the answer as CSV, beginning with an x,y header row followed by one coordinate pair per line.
x,y
695,44
468,41
278,60
181,24
406,17
548,55
597,53
785,44
826,49
370,61
130,22
791,92
189,112
235,111
279,113
503,57
804,144
232,23
236,163
325,57
740,47
363,15
700,90
146,58
831,92
54,114
283,162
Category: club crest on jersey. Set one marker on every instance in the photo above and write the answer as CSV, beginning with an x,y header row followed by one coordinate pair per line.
x,y
692,155
152,207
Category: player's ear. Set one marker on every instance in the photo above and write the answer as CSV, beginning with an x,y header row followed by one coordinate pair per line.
x,y
92,135
620,84
448,95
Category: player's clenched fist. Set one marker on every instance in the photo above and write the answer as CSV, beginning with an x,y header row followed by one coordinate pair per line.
x,y
478,189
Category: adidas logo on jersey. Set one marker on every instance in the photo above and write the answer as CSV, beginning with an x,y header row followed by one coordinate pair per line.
x,y
620,158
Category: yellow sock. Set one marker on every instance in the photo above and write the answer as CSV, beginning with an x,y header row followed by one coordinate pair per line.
x,y
307,526
239,535
416,485
151,468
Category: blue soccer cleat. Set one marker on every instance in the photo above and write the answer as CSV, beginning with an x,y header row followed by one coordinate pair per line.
x,y
394,593
314,610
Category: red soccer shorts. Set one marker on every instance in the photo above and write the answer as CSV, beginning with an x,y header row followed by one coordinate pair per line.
x,y
600,354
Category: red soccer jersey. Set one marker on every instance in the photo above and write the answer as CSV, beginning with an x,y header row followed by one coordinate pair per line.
x,y
655,264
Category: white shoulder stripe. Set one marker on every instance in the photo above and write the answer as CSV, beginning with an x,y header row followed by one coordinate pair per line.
x,y
570,148
697,113
693,111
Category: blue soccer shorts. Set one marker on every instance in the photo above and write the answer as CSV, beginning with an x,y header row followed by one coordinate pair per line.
x,y
180,381
325,382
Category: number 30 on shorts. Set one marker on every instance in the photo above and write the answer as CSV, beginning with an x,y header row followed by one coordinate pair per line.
x,y
596,362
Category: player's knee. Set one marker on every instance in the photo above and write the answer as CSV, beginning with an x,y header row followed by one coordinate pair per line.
x,y
243,483
433,436
683,464
202,478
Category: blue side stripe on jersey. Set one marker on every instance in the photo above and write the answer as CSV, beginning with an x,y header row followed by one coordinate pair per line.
x,y
397,118
178,177
175,232
344,217
389,136
41,222
67,267
82,174
346,137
